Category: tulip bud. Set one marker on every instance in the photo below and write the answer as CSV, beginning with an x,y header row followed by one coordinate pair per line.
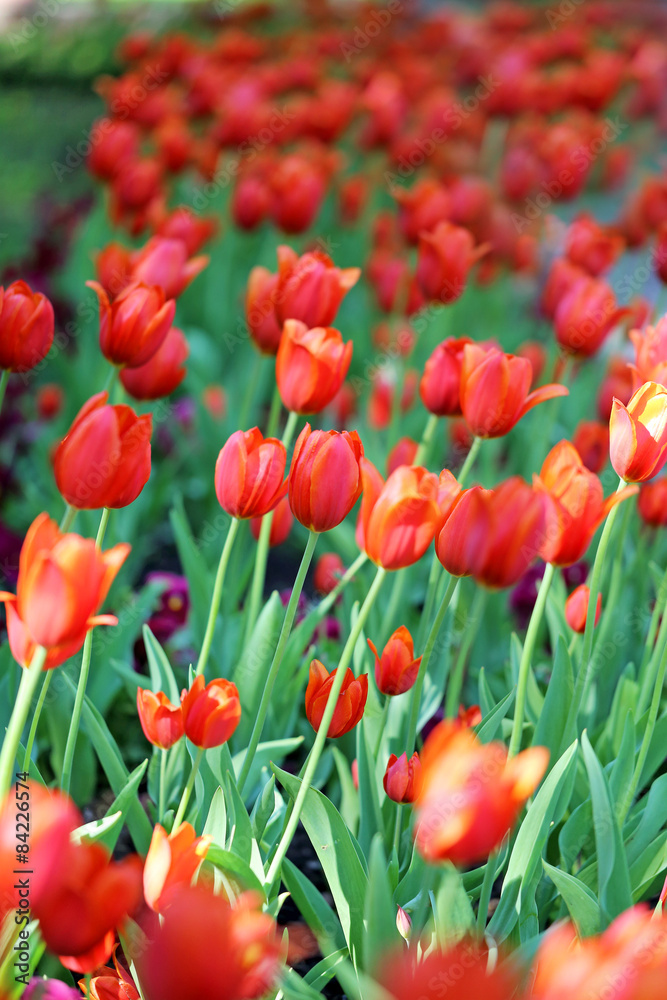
x,y
585,316
133,326
311,288
403,924
161,721
162,373
638,434
320,499
328,572
576,608
260,310
251,202
50,399
440,384
351,700
311,365
396,669
26,327
249,474
113,266
281,524
402,778
211,712
652,503
164,263
445,258
172,860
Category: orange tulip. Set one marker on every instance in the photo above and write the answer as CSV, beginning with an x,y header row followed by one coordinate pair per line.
x,y
172,860
494,535
652,503
249,474
163,373
110,984
650,354
202,947
164,263
576,608
398,519
440,386
495,390
211,712
104,460
281,524
311,288
638,434
260,310
133,326
325,477
311,365
328,572
62,581
585,316
161,721
422,207
351,700
471,794
591,439
402,778
26,327
460,973
396,669
577,506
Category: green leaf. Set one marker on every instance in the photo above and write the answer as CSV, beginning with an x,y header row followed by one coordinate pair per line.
x,y
272,750
263,808
380,913
251,670
162,676
216,820
324,971
550,729
314,909
349,803
370,816
487,729
580,901
232,864
242,841
453,912
624,765
194,567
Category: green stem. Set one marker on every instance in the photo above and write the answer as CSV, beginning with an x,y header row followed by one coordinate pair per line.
x,y
427,437
35,719
423,666
217,596
383,724
398,829
274,413
485,892
526,657
29,681
249,394
645,676
67,519
320,739
163,784
4,379
187,791
111,378
456,682
72,735
469,462
331,598
288,621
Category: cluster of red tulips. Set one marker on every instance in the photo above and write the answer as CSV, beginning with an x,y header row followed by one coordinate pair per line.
x,y
452,818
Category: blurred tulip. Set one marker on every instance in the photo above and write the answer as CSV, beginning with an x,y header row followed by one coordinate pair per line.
x,y
328,572
650,355
619,382
585,316
536,354
402,778
281,524
495,390
164,263
260,310
638,434
471,794
104,460
440,385
592,247
591,439
162,373
352,197
214,400
311,288
110,984
249,474
576,608
298,188
251,201
422,208
311,366
660,252
134,325
50,400
63,580
185,225
403,453
396,669
172,859
463,971
652,503
26,327
562,276
50,989
117,145
325,477
351,700
161,721
211,712
113,266
446,255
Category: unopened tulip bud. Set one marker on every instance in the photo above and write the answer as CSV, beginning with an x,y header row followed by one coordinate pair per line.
x,y
396,669
403,924
351,700
576,608
403,778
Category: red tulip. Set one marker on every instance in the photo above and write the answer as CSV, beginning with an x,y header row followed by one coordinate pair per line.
x,y
325,477
50,399
585,316
445,258
260,310
164,263
117,145
251,201
104,460
133,326
396,669
211,712
191,229
113,266
26,327
163,373
404,452
281,524
562,276
311,288
110,984
298,187
576,608
172,859
440,385
620,382
652,503
422,207
591,439
351,700
638,434
328,572
592,247
650,355
249,474
463,971
311,366
161,721
402,778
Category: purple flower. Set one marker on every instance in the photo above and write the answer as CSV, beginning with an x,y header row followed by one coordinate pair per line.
x,y
172,611
523,596
50,989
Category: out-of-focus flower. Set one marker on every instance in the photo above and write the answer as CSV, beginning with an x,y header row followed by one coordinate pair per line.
x,y
50,989
50,400
403,453
171,613
402,778
214,400
523,596
311,288
161,721
113,267
104,460
445,258
211,712
440,384
462,970
311,366
591,246
652,503
325,477
619,382
351,700
281,524
396,668
185,225
585,316
650,355
172,859
471,794
591,439
162,373
260,310
134,325
164,263
328,572
576,608
536,354
638,434
562,276
63,579
117,145
249,474
26,327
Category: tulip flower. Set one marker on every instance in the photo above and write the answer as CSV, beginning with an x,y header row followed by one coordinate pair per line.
x,y
325,477
298,187
650,354
116,145
311,288
585,316
463,971
591,439
351,700
281,524
249,474
495,390
104,460
404,452
398,519
203,947
402,778
536,354
133,326
328,572
164,263
26,327
161,721
577,505
620,381
185,225
260,310
638,434
113,266
592,247
422,207
110,984
445,258
172,859
440,384
163,373
494,535
652,503
211,712
396,669
50,399
471,794
50,989
576,608
562,276
62,581
311,365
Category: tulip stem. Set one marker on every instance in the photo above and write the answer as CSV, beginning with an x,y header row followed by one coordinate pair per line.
x,y
456,684
398,829
415,703
427,437
163,783
274,413
29,681
4,379
111,378
67,519
526,657
646,669
72,735
288,621
35,719
383,724
469,462
262,552
320,739
485,892
217,596
187,791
